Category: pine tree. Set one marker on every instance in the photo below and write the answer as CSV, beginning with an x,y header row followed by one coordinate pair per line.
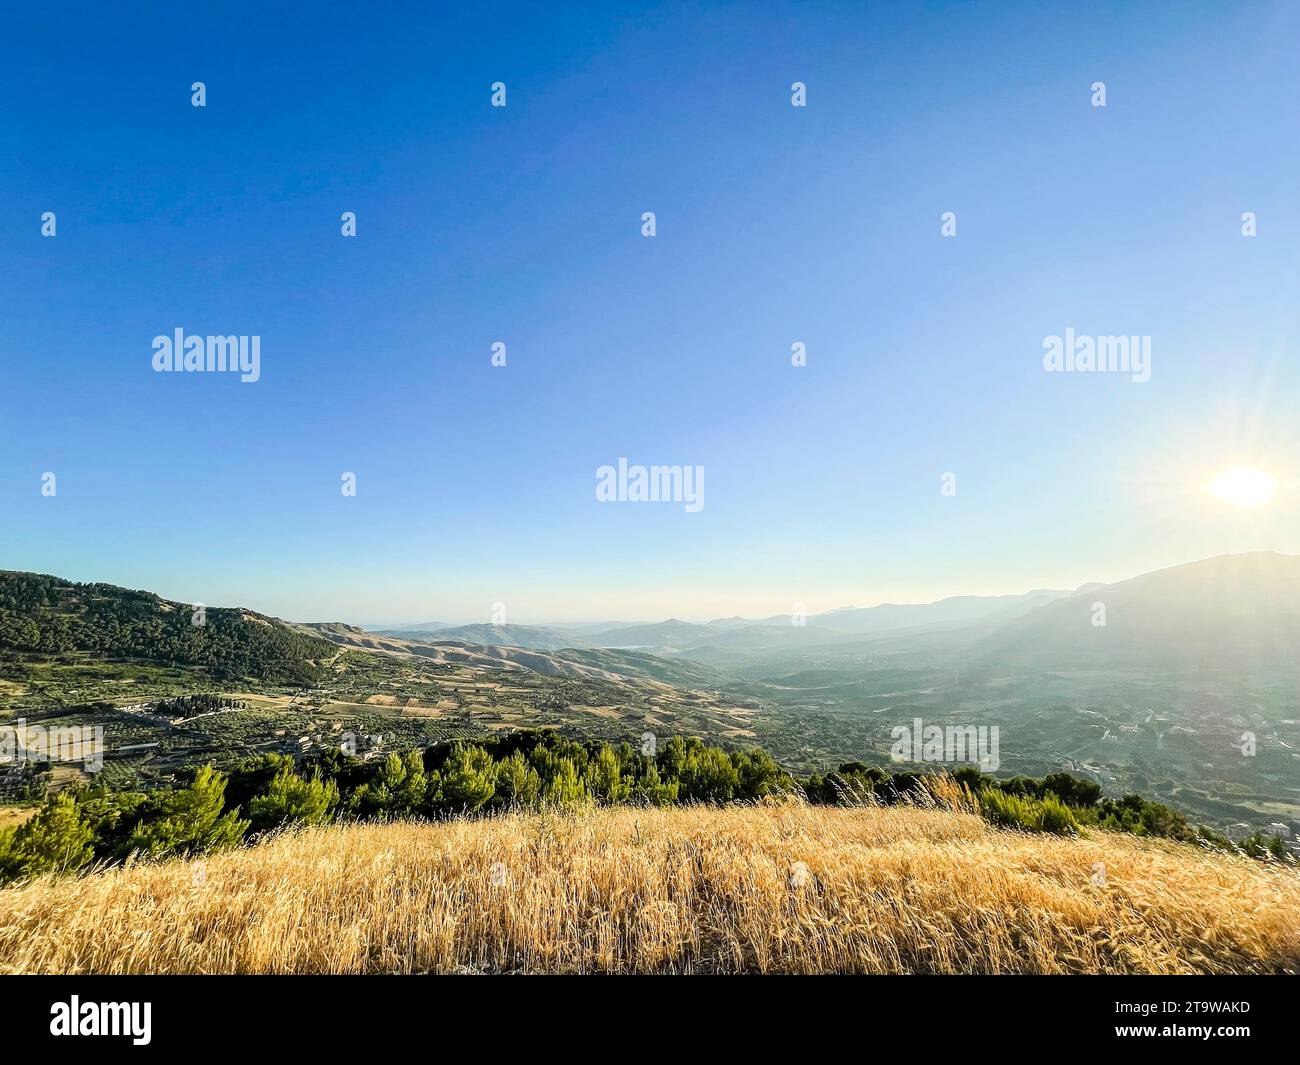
x,y
292,800
603,777
565,787
518,784
410,795
468,778
188,820
56,840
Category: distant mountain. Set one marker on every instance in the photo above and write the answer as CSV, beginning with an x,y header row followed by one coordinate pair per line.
x,y
679,672
735,642
1232,613
533,637
727,639
663,635
423,628
1237,613
334,627
47,616
945,613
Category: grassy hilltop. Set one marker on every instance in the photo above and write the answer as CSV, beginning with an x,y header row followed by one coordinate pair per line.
x,y
778,887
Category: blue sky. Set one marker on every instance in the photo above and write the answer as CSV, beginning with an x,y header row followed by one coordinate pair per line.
x,y
522,224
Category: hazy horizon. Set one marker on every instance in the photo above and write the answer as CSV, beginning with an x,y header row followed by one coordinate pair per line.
x,y
559,620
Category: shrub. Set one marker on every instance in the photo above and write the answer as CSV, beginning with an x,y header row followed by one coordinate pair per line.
x,y
1005,811
1057,818
1028,814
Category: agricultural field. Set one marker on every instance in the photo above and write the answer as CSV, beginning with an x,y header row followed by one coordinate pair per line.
x,y
374,700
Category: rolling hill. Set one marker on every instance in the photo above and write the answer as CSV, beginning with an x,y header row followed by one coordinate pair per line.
x,y
664,635
607,664
952,612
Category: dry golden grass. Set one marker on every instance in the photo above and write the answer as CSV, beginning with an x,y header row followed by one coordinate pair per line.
x,y
776,889
12,816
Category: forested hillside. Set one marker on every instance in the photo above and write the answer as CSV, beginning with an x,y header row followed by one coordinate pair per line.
x,y
48,616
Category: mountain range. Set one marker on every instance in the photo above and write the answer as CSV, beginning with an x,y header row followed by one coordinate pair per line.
x,y
1233,612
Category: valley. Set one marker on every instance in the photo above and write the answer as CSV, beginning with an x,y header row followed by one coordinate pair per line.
x,y
1124,710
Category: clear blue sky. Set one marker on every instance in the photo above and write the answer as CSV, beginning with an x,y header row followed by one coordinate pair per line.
x,y
522,224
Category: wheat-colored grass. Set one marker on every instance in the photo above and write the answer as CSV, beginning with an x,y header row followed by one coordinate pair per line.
x,y
784,888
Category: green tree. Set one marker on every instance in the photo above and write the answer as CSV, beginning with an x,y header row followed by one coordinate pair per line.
x,y
709,775
758,773
604,777
517,783
56,840
289,799
672,758
254,777
653,790
564,788
468,778
188,820
1073,791
385,793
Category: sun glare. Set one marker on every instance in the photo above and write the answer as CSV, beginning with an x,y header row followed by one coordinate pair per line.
x,y
1244,488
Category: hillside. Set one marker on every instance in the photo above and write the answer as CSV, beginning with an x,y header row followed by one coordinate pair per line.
x,y
114,660
952,612
780,888
663,635
1232,612
579,662
49,617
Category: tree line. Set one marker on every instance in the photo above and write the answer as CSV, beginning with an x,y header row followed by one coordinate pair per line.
x,y
187,706
208,810
1058,803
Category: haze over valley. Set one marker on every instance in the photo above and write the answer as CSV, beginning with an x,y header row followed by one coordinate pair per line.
x,y
1158,684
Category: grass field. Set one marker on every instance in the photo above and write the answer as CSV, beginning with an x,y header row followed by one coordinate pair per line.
x,y
771,889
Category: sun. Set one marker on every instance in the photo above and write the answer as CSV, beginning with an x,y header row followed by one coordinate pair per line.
x,y
1244,487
